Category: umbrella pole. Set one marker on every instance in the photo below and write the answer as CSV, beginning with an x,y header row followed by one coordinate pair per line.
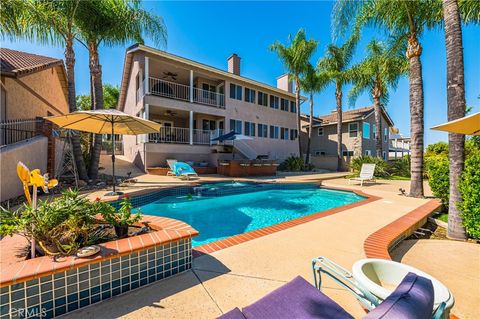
x,y
113,160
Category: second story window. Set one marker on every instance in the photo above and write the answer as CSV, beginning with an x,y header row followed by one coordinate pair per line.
x,y
235,92
353,129
293,107
236,125
320,131
385,134
249,95
274,131
274,102
293,134
249,128
374,131
284,105
262,98
262,130
366,130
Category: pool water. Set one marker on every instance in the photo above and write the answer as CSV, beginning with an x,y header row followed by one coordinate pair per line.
x,y
224,216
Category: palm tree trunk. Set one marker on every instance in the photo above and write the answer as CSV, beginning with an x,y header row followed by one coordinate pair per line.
x,y
96,73
456,110
378,122
310,129
297,101
76,145
414,51
338,96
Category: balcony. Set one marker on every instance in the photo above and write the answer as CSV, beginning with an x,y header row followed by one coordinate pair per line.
x,y
186,93
181,135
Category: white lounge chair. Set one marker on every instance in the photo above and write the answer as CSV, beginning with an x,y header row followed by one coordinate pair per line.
x,y
171,163
366,174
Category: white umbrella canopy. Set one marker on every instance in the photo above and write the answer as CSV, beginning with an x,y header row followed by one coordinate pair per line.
x,y
468,125
109,121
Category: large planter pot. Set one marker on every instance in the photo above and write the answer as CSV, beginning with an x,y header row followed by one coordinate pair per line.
x,y
121,231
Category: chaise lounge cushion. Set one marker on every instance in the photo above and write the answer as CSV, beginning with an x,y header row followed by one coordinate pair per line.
x,y
412,299
233,314
295,300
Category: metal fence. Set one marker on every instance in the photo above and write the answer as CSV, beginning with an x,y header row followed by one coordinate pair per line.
x,y
13,131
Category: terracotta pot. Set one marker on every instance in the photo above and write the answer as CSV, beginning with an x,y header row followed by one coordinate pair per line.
x,y
121,231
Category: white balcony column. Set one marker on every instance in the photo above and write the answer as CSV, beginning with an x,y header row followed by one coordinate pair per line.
x,y
147,75
191,127
191,88
146,116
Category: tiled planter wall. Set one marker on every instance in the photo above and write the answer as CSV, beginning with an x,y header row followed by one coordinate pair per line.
x,y
61,292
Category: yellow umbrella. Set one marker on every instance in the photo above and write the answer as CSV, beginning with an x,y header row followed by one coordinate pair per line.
x,y
109,121
468,125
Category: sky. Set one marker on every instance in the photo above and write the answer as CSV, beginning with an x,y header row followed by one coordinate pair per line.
x,y
209,32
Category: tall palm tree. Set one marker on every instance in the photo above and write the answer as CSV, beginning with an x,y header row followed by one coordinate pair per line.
x,y
335,64
405,21
295,59
112,22
380,71
49,22
312,82
456,109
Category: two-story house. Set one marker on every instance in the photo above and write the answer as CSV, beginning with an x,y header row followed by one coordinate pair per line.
x,y
358,135
195,102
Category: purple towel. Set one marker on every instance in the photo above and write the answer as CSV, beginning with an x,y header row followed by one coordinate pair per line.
x,y
295,300
412,299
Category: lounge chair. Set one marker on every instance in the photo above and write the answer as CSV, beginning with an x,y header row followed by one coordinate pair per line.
x,y
413,299
366,174
181,169
170,163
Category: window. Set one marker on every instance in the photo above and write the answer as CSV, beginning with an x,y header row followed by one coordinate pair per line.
x,y
320,131
249,128
319,153
353,129
293,107
274,131
368,153
366,130
374,131
262,98
235,92
385,134
208,91
284,105
293,134
262,130
208,125
347,153
384,154
236,125
284,133
274,102
249,95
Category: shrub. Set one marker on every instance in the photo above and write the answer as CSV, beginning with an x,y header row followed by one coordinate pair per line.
x,y
470,190
400,167
438,177
122,218
439,148
292,163
381,167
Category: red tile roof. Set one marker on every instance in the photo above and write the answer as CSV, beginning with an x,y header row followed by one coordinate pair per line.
x,y
17,63
350,116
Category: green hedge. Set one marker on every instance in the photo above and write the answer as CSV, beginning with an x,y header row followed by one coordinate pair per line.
x,y
470,190
381,167
437,169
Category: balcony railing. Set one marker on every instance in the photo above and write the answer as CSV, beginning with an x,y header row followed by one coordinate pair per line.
x,y
13,131
181,135
181,92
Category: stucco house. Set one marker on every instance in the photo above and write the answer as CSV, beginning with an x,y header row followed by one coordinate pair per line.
x,y
196,102
32,87
358,135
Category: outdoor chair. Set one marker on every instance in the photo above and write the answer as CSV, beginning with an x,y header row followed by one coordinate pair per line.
x,y
366,174
170,163
181,169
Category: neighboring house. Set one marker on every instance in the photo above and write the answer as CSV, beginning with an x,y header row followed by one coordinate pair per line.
x,y
32,87
358,136
195,102
399,145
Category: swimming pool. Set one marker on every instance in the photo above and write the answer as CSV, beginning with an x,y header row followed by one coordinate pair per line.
x,y
231,211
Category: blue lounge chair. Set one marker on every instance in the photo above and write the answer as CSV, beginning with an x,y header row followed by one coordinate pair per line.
x,y
413,299
182,169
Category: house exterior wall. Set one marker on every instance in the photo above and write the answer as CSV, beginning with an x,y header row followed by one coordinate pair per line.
x,y
35,95
369,144
328,142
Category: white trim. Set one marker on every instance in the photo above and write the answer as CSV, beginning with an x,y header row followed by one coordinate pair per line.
x,y
147,75
318,131
191,127
191,86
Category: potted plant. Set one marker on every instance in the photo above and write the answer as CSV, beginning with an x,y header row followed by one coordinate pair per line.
x,y
121,219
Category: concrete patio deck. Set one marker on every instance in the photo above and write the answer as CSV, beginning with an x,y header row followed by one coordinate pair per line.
x,y
239,275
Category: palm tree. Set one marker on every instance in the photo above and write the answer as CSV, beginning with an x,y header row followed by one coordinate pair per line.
x,y
335,64
380,71
456,109
48,22
112,22
405,21
295,59
312,82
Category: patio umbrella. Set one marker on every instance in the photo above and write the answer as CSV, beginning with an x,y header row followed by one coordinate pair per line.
x,y
231,136
468,125
108,121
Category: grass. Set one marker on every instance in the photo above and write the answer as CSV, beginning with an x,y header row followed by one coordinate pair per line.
x,y
443,217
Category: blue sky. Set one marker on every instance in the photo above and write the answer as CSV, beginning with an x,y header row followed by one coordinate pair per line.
x,y
210,31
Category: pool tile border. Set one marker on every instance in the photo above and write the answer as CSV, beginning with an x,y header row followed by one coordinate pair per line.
x,y
254,234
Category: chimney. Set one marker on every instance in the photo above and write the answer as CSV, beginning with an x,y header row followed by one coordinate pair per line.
x,y
234,64
284,84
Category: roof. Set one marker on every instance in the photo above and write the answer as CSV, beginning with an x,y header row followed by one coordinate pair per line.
x,y
140,47
17,63
351,116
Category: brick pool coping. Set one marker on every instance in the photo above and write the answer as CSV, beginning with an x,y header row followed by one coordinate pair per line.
x,y
241,238
380,243
165,230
